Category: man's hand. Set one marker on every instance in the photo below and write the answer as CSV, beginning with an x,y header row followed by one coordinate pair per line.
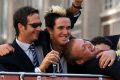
x,y
107,58
76,6
5,49
77,2
51,58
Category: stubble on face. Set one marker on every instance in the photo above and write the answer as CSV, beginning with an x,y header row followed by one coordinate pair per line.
x,y
61,31
29,34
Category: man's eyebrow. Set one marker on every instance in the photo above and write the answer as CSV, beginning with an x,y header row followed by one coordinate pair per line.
x,y
86,39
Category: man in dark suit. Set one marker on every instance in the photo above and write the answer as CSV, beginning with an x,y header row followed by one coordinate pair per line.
x,y
21,20
73,13
79,51
59,33
28,55
20,52
27,26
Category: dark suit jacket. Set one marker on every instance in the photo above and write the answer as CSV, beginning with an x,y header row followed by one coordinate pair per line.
x,y
45,43
17,61
114,39
92,67
72,18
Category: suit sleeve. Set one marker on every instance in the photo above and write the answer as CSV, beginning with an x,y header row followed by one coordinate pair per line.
x,y
92,67
2,68
114,70
73,17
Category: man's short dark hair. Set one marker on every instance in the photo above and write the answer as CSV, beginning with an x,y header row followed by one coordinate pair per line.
x,y
20,16
50,19
100,40
54,13
67,52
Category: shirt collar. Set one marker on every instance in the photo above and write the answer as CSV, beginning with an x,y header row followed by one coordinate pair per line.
x,y
23,45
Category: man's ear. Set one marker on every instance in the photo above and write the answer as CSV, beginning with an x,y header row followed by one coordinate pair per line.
x,y
80,61
49,30
20,26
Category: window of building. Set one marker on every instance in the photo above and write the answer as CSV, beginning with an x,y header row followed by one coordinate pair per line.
x,y
116,3
115,27
108,4
106,30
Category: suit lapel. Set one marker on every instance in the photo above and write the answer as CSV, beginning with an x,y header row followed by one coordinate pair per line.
x,y
25,62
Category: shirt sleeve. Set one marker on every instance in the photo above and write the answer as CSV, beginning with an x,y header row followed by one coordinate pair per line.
x,y
37,70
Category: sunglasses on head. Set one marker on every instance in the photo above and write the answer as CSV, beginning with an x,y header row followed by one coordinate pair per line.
x,y
35,25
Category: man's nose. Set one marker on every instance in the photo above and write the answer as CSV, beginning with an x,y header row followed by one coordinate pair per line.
x,y
65,31
39,28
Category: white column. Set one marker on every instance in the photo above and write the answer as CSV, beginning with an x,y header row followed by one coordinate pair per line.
x,y
5,18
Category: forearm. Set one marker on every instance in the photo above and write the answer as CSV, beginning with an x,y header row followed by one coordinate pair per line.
x,y
74,11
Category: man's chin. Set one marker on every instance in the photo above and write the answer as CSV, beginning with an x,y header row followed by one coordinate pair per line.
x,y
64,42
35,39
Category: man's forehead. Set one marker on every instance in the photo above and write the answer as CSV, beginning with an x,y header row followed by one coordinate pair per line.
x,y
78,43
77,46
34,18
79,40
63,21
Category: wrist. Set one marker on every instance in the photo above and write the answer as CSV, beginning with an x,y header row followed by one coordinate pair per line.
x,y
44,65
42,68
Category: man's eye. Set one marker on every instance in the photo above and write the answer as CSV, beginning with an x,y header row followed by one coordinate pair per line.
x,y
61,27
68,27
83,48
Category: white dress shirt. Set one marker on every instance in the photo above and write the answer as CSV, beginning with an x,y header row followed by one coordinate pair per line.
x,y
25,48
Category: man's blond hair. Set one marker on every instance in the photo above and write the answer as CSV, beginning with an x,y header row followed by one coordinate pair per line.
x,y
57,9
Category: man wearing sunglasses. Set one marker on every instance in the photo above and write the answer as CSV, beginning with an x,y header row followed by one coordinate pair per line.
x,y
27,25
59,33
35,25
73,13
28,55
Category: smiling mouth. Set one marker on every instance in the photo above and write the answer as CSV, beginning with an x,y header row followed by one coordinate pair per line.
x,y
65,38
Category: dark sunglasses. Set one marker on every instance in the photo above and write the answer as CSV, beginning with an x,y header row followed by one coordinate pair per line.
x,y
35,25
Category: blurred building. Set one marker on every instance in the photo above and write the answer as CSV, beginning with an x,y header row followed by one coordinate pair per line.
x,y
110,17
99,17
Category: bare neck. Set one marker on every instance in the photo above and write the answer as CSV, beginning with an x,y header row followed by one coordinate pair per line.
x,y
24,40
56,47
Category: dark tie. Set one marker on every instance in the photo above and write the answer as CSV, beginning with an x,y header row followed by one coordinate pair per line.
x,y
35,58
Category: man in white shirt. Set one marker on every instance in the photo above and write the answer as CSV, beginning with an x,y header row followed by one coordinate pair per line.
x,y
27,25
27,31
